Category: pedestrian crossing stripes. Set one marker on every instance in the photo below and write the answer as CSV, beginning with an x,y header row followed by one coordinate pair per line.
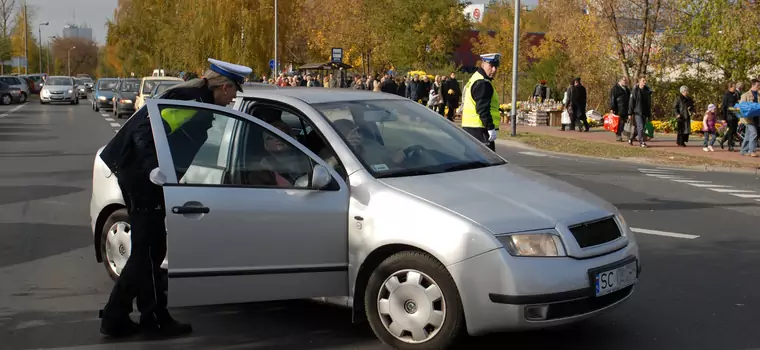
x,y
669,174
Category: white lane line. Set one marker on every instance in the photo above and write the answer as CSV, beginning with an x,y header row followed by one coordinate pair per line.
x,y
663,233
746,195
692,181
105,115
730,190
710,186
110,120
665,176
116,125
654,170
12,110
535,154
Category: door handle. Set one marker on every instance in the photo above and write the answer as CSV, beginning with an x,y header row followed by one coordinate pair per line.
x,y
190,210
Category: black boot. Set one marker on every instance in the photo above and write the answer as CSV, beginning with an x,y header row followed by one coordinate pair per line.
x,y
722,141
164,326
118,327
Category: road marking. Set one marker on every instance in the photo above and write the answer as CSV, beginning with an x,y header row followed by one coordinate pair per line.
x,y
710,185
692,181
654,171
535,154
12,110
746,195
730,190
105,115
110,120
663,233
116,125
665,176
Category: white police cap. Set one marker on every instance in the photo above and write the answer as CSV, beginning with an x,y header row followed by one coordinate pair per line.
x,y
234,72
492,58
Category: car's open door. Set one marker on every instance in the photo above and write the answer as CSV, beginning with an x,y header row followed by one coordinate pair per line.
x,y
238,232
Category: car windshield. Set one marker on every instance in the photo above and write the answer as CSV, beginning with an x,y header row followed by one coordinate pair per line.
x,y
150,84
395,138
163,87
58,81
80,82
107,85
130,86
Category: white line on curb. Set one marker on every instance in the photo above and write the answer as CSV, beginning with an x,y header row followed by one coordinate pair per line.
x,y
110,120
105,115
746,195
535,154
115,125
730,190
692,181
710,186
665,176
654,171
663,233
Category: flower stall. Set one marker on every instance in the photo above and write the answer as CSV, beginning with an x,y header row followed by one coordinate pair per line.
x,y
532,113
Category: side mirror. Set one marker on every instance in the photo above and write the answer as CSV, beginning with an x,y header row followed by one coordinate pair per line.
x,y
320,177
157,177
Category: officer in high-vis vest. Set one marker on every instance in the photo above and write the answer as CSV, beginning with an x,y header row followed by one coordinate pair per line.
x,y
480,103
131,157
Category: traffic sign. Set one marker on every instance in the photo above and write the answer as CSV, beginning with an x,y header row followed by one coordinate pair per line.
x,y
476,14
337,54
271,64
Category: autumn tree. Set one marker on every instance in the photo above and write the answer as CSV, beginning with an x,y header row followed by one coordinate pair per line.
x,y
720,33
6,24
18,48
83,58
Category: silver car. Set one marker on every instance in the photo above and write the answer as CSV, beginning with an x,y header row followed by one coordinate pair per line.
x,y
59,89
376,203
19,83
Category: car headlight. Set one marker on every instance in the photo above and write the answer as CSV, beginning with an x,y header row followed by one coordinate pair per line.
x,y
126,101
540,244
70,90
102,98
44,92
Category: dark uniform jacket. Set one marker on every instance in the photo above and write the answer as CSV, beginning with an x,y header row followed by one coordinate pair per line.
x,y
131,154
482,92
620,97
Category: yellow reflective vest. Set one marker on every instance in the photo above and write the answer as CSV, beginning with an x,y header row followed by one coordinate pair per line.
x,y
470,116
176,117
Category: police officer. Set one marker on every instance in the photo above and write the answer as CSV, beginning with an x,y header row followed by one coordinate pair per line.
x,y
480,104
131,156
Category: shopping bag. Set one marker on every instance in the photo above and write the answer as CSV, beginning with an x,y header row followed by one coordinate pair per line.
x,y
649,130
611,122
565,117
629,129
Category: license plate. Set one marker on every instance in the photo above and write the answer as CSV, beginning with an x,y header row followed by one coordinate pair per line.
x,y
615,279
57,97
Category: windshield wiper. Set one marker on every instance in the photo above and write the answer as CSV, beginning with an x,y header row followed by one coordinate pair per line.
x,y
405,172
467,166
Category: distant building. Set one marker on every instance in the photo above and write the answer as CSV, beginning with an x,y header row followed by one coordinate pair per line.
x,y
74,31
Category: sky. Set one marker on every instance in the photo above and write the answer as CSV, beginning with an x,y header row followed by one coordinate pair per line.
x,y
93,13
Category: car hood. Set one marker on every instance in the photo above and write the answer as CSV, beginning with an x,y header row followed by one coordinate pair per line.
x,y
58,88
506,198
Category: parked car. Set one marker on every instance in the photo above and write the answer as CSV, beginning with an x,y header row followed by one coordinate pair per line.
x,y
146,86
17,82
9,94
124,97
81,88
88,84
37,81
59,89
428,243
159,88
102,97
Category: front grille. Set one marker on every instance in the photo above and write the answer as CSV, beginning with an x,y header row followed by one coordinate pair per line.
x,y
589,234
586,305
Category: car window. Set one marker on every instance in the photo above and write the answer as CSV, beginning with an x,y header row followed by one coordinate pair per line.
x,y
150,84
107,85
9,80
129,86
215,148
401,138
59,81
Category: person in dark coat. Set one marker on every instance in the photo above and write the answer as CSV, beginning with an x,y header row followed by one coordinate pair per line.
x,y
388,85
401,87
131,157
578,99
684,108
452,94
640,109
620,96
414,89
730,99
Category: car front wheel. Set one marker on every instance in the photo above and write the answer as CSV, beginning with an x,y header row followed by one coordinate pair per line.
x,y
23,97
412,302
116,242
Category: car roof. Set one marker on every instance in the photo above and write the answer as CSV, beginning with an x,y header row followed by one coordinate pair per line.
x,y
108,79
61,76
162,78
314,95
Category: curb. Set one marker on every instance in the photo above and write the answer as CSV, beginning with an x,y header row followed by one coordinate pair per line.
x,y
704,168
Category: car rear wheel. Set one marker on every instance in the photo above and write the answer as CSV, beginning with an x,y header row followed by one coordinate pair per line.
x,y
6,99
412,302
23,97
116,242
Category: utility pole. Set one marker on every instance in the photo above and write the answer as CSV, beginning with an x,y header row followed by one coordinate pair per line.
x,y
276,62
515,52
39,28
26,41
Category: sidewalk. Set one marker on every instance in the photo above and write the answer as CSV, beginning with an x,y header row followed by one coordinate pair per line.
x,y
662,142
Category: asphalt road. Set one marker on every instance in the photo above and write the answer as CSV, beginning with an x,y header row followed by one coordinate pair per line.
x,y
694,293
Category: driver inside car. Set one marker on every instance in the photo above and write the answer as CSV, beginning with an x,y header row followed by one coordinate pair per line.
x,y
372,151
285,162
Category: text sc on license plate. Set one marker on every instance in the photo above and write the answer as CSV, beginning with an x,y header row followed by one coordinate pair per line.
x,y
611,280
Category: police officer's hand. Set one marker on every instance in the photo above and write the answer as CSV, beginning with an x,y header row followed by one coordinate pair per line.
x,y
492,135
157,177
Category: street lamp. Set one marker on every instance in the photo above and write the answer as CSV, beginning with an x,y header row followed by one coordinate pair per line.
x,y
275,42
39,30
68,58
515,52
50,53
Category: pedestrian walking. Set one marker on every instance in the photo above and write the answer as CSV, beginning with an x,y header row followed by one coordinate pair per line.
x,y
451,93
578,98
684,108
730,98
749,144
708,127
620,97
480,105
131,157
640,110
